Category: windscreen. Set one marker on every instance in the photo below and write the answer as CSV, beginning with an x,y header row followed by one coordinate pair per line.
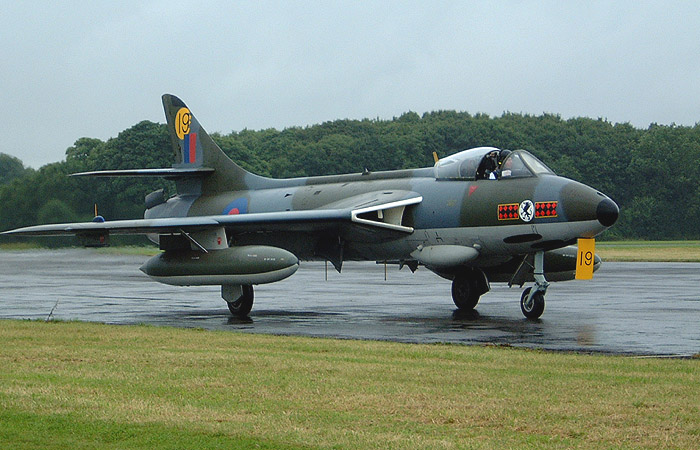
x,y
522,164
537,166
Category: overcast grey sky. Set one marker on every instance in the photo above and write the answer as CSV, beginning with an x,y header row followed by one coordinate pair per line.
x,y
74,69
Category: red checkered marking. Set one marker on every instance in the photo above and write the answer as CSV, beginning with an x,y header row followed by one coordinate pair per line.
x,y
508,211
546,209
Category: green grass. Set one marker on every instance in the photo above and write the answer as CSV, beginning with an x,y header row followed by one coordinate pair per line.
x,y
658,251
78,385
20,246
146,250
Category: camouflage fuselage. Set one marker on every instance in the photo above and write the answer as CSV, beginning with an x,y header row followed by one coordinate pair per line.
x,y
453,211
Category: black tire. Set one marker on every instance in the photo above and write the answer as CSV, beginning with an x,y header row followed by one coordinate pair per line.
x,y
242,306
534,309
464,292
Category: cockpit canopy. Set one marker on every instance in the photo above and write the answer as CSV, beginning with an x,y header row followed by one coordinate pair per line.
x,y
480,162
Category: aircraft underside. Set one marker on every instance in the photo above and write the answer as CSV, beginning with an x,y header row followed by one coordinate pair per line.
x,y
470,257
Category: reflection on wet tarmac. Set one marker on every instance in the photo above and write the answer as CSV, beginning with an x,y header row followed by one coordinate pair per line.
x,y
633,308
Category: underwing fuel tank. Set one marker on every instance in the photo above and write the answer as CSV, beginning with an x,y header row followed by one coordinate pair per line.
x,y
244,265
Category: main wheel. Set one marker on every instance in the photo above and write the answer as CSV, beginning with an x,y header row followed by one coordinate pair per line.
x,y
464,292
244,304
534,308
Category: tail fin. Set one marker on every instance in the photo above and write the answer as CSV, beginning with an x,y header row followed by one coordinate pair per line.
x,y
195,149
200,167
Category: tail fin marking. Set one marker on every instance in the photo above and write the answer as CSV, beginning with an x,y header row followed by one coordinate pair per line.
x,y
200,167
193,147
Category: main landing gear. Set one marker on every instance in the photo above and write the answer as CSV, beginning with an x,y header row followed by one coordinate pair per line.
x,y
239,298
532,300
467,288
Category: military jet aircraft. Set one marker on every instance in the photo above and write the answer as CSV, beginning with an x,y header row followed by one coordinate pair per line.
x,y
478,216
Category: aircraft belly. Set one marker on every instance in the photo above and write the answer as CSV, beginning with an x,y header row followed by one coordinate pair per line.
x,y
492,242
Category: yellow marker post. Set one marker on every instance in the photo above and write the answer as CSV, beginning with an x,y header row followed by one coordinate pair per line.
x,y
585,259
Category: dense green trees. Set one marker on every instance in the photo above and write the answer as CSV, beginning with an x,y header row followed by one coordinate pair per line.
x,y
10,168
652,173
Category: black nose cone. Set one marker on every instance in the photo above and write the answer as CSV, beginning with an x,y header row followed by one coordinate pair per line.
x,y
607,212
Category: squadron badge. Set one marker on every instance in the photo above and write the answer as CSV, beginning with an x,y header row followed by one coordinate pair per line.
x,y
526,210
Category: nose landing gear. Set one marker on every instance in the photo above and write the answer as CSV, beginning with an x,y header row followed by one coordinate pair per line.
x,y
532,306
532,300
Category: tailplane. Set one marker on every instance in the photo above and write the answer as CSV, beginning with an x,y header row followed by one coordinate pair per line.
x,y
195,149
200,166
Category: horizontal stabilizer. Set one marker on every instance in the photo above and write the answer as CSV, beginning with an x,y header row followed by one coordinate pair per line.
x,y
165,173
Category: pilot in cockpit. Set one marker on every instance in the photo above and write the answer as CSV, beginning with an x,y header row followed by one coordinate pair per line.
x,y
502,170
490,166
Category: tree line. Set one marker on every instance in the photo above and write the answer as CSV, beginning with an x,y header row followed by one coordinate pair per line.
x,y
651,173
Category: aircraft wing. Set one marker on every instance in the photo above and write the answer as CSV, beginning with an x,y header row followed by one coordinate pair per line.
x,y
382,217
242,222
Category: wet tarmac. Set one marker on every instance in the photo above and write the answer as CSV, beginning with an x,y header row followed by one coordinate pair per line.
x,y
629,308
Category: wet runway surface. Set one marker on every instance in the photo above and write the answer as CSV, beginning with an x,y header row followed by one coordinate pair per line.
x,y
629,308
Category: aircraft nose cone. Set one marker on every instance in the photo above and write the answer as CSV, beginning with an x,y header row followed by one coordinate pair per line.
x,y
607,212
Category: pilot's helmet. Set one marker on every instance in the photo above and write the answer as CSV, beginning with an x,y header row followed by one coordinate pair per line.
x,y
503,155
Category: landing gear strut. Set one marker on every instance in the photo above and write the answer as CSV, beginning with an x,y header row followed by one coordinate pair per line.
x,y
239,299
532,300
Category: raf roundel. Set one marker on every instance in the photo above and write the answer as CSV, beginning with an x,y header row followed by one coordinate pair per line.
x,y
526,210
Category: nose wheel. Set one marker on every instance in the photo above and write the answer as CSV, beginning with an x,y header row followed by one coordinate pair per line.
x,y
532,306
532,300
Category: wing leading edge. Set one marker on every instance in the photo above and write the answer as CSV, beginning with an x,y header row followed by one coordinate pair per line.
x,y
385,217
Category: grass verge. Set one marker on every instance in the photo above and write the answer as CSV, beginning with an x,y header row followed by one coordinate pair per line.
x,y
78,385
20,246
145,250
657,251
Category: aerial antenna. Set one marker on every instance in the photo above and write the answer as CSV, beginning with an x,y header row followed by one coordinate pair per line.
x,y
435,157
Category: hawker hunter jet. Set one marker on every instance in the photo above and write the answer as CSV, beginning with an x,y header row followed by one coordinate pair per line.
x,y
478,216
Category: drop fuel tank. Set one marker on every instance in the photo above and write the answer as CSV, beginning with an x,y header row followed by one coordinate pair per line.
x,y
244,265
